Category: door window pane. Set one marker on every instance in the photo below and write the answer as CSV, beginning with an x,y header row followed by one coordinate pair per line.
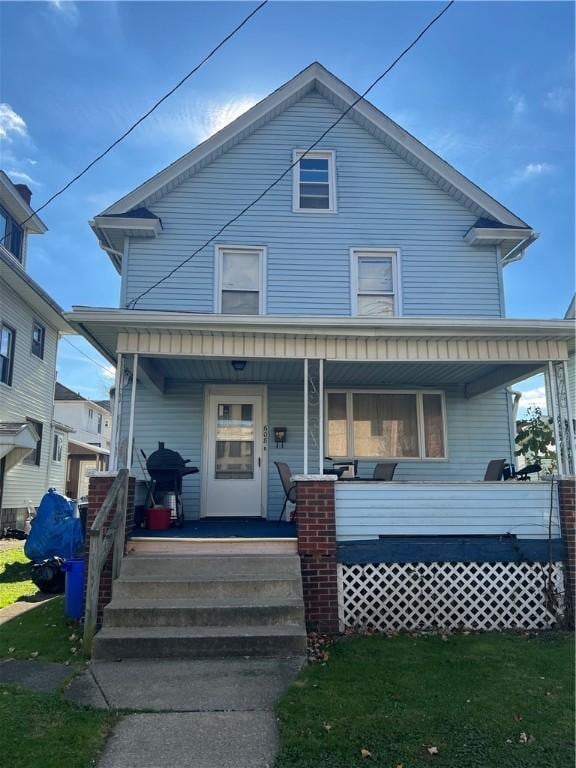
x,y
375,274
240,302
380,306
433,426
385,425
337,425
235,442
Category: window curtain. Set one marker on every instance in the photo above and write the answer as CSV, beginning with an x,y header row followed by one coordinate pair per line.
x,y
385,425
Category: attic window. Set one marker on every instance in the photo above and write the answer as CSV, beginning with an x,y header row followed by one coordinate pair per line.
x,y
314,182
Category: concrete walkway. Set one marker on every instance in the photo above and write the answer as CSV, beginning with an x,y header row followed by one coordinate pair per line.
x,y
189,714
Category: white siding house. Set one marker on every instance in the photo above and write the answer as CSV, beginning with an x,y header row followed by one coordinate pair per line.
x,y
33,446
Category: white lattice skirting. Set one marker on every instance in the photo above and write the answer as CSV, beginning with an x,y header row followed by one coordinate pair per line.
x,y
476,596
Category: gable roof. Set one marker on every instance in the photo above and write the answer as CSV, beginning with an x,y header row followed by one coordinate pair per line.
x,y
11,199
64,393
314,77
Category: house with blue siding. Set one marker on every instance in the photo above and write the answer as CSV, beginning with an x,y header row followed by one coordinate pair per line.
x,y
355,312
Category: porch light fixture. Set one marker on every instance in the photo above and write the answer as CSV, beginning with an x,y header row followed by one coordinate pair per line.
x,y
238,365
280,436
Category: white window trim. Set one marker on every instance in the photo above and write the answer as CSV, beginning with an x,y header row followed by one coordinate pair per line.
x,y
396,276
420,413
262,251
323,153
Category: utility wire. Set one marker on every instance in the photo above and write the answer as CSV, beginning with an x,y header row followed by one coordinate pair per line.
x,y
81,352
155,106
132,304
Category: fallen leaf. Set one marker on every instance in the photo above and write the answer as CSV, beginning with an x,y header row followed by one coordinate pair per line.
x,y
526,738
73,650
365,753
73,637
433,750
327,727
11,650
34,654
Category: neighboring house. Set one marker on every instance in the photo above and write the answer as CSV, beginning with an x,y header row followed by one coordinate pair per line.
x,y
33,445
90,419
356,311
89,446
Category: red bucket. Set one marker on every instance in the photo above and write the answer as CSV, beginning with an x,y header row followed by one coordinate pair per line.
x,y
158,518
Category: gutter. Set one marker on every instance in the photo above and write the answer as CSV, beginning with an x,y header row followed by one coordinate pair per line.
x,y
517,252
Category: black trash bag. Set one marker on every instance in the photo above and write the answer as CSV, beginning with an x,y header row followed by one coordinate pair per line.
x,y
49,576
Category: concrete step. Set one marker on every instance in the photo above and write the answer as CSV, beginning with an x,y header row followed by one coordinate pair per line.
x,y
247,587
212,566
147,545
191,613
198,642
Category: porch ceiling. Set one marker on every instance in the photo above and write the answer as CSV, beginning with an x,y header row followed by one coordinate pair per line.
x,y
336,374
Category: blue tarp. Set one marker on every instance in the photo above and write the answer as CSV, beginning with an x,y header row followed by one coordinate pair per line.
x,y
55,531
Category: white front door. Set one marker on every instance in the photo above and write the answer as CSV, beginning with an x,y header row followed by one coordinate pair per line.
x,y
234,462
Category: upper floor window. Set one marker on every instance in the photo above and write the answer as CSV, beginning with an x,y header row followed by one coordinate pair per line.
x,y
11,234
90,414
314,182
38,338
386,425
35,456
374,282
57,447
99,424
240,281
7,342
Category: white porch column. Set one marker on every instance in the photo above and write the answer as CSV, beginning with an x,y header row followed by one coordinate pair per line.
x,y
305,415
130,449
320,415
115,414
561,411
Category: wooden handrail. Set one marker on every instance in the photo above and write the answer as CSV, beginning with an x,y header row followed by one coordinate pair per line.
x,y
101,542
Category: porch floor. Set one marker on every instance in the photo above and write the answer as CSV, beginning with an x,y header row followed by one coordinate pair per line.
x,y
223,528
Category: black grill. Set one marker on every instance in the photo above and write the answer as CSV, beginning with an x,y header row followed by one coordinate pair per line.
x,y
167,468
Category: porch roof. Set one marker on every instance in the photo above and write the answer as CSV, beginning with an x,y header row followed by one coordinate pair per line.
x,y
398,339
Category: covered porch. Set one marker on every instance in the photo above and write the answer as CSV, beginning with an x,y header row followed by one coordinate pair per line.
x,y
236,395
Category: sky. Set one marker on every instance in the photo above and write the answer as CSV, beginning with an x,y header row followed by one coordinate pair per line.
x,y
490,88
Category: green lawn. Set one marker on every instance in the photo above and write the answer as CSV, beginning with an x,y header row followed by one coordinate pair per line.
x,y
45,731
483,701
43,633
15,580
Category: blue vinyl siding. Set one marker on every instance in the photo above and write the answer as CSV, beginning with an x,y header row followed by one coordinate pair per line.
x,y
382,201
478,431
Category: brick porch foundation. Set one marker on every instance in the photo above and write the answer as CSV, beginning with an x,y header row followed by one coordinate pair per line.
x,y
99,485
567,508
316,526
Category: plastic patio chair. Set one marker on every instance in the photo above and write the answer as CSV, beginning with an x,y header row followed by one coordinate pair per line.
x,y
495,470
385,470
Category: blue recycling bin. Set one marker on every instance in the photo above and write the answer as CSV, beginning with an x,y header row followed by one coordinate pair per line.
x,y
74,592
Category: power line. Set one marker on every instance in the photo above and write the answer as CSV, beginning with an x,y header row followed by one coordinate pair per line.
x,y
81,352
155,106
132,304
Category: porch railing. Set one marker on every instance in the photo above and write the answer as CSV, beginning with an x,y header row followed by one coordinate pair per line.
x,y
105,536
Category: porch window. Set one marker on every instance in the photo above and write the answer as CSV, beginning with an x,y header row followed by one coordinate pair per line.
x,y
240,281
314,182
374,283
386,425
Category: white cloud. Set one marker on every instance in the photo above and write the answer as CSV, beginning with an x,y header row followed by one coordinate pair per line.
x,y
533,397
19,176
558,99
65,8
531,171
11,123
518,103
197,121
109,373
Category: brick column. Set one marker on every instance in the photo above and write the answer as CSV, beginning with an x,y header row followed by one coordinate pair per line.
x,y
567,509
316,526
99,485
